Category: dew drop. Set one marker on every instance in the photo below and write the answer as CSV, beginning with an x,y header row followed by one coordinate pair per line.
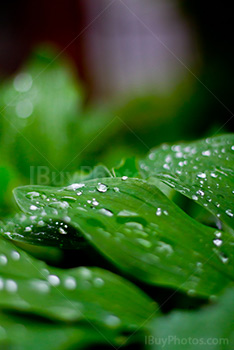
x,y
112,321
33,207
32,194
106,212
213,175
206,153
74,186
62,231
3,260
98,282
218,242
229,213
135,225
15,255
201,193
159,212
53,280
144,242
11,286
127,213
85,273
201,175
102,187
40,286
59,205
70,283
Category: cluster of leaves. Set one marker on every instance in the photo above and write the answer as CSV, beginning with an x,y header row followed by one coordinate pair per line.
x,y
143,246
44,96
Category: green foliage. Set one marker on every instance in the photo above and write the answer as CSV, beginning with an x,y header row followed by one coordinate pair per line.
x,y
210,327
98,259
136,229
201,170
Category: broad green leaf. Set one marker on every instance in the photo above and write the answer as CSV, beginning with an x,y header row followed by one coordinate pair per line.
x,y
39,230
209,328
89,294
201,170
139,229
24,333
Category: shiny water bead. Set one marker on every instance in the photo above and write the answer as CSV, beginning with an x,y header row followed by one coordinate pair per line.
x,y
74,187
144,242
112,321
218,242
32,195
62,231
106,212
127,213
85,272
54,280
59,204
70,283
201,175
102,187
11,286
40,286
3,260
159,211
206,153
229,213
15,255
98,282
124,178
33,207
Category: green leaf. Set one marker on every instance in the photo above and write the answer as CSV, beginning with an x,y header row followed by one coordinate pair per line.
x,y
41,231
211,327
89,294
139,229
201,170
24,333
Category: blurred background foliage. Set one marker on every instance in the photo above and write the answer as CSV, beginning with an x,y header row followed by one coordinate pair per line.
x,y
101,82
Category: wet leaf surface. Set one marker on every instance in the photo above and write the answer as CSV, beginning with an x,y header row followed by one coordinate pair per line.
x,y
201,170
139,229
83,294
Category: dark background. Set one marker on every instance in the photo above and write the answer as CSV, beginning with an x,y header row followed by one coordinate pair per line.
x,y
24,24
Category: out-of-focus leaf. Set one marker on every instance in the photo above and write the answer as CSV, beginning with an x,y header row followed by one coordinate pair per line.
x,y
201,170
139,229
209,328
99,171
40,107
88,294
128,168
24,333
